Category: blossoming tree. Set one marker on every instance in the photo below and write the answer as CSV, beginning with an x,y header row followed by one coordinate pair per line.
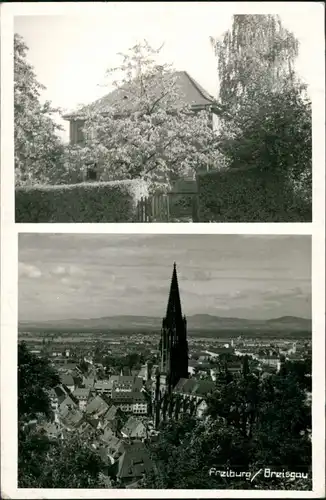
x,y
150,131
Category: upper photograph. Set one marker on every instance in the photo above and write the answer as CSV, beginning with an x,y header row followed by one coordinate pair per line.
x,y
138,115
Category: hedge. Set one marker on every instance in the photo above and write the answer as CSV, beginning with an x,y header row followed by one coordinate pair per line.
x,y
245,195
114,201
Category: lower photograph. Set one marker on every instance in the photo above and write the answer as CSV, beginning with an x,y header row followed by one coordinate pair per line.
x,y
164,361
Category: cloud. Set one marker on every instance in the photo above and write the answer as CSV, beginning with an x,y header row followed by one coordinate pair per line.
x,y
29,270
59,270
67,270
97,275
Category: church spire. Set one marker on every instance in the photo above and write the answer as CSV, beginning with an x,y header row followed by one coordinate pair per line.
x,y
174,345
174,304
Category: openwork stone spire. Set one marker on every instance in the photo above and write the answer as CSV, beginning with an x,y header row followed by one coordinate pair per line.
x,y
174,345
173,310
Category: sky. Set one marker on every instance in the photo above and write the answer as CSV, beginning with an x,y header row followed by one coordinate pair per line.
x,y
70,53
95,275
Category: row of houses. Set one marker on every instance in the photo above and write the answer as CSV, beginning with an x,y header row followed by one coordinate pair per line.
x,y
117,438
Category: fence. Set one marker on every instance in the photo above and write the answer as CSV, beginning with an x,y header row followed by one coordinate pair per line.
x,y
174,206
153,209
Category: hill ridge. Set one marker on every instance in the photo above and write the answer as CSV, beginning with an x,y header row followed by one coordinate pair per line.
x,y
195,322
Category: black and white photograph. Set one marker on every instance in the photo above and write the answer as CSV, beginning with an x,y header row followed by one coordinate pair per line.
x,y
159,114
184,358
164,361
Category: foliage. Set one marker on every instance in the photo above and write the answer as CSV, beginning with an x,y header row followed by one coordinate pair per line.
x,y
64,463
241,195
38,149
86,202
35,378
45,463
267,113
255,56
148,132
252,423
132,361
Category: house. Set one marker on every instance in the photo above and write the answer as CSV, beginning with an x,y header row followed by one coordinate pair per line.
x,y
113,413
66,367
126,383
130,402
133,465
112,449
88,382
133,428
97,407
272,361
88,428
82,395
106,435
73,419
57,395
188,92
104,386
144,372
234,367
67,381
67,404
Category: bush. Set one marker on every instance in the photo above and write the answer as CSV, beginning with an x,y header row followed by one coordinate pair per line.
x,y
244,195
86,202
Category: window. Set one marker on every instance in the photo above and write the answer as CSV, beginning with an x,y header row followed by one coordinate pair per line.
x,y
79,132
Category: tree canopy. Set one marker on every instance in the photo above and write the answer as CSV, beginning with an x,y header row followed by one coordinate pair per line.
x,y
267,113
149,132
35,378
38,148
252,423
44,462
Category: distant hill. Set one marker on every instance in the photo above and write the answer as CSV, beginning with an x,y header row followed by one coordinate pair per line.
x,y
197,322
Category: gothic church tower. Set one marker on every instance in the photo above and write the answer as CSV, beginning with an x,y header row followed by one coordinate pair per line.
x,y
174,345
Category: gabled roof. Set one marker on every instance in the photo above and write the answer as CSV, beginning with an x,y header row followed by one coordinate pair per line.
x,y
67,379
104,384
66,404
129,397
58,393
73,418
112,412
189,92
131,426
81,392
96,405
88,382
134,462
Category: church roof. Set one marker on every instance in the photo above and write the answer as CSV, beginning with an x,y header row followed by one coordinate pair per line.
x,y
194,387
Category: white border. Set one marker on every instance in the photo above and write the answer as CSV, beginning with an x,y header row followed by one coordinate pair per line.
x,y
9,255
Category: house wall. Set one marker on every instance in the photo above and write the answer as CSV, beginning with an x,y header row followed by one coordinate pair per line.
x,y
139,408
76,132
